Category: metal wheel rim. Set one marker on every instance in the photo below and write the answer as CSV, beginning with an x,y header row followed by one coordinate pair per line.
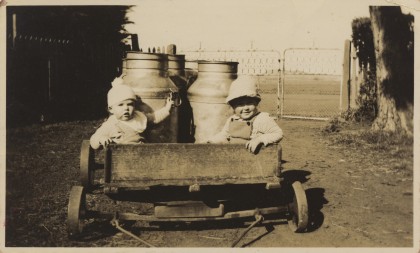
x,y
86,173
76,211
298,209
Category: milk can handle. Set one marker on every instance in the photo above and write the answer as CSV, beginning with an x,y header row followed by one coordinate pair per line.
x,y
174,95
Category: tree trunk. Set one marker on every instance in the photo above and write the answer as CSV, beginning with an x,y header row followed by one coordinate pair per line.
x,y
394,69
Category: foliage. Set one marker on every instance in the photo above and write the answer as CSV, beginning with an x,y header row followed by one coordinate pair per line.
x,y
62,61
362,38
77,23
333,126
367,99
366,102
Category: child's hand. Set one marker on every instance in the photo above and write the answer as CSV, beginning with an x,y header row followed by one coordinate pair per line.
x,y
253,145
169,102
105,141
116,137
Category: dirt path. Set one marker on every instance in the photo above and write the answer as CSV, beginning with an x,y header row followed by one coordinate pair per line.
x,y
357,197
364,202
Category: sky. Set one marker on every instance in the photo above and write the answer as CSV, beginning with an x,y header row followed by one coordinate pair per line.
x,y
245,24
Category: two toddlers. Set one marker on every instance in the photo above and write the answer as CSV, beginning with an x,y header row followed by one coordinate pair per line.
x,y
247,124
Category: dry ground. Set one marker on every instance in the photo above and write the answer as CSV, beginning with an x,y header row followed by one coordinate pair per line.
x,y
359,189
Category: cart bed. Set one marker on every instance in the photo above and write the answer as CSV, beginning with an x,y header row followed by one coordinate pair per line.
x,y
170,164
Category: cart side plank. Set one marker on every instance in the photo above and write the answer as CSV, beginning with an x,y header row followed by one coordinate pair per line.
x,y
190,163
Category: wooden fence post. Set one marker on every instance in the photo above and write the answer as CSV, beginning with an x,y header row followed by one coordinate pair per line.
x,y
345,82
354,90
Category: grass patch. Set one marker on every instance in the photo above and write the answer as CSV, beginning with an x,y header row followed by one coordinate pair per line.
x,y
41,166
353,134
377,140
381,138
375,149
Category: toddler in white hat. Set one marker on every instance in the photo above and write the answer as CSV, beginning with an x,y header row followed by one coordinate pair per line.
x,y
126,124
247,125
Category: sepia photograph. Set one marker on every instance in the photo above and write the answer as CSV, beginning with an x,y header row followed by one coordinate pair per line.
x,y
193,124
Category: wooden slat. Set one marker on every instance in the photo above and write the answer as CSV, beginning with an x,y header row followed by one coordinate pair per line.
x,y
145,184
190,163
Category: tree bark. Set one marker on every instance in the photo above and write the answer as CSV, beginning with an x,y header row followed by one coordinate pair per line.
x,y
394,69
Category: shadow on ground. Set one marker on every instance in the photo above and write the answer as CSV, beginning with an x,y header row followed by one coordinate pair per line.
x,y
316,201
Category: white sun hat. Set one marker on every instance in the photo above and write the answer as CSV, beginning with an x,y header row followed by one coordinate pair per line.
x,y
119,92
243,86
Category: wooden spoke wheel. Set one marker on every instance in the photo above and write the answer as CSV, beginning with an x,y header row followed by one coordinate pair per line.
x,y
76,211
298,209
87,174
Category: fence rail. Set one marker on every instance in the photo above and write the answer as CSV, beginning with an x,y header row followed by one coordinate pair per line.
x,y
251,62
298,83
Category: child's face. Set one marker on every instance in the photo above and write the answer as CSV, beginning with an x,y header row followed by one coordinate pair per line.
x,y
123,110
245,107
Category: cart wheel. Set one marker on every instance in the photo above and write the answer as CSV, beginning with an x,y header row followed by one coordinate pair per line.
x,y
298,209
87,174
76,211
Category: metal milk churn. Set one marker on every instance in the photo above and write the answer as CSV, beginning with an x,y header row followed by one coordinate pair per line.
x,y
207,96
147,75
176,65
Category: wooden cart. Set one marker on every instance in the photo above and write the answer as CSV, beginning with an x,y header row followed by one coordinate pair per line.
x,y
188,182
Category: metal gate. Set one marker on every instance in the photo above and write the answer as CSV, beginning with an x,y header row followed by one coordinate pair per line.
x,y
301,83
310,83
265,66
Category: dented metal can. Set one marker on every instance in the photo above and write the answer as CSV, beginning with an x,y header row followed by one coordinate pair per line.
x,y
147,74
207,97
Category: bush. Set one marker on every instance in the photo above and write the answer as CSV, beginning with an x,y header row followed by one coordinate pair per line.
x,y
333,126
362,39
367,107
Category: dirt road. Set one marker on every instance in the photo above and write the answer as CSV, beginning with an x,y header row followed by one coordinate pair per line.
x,y
357,196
